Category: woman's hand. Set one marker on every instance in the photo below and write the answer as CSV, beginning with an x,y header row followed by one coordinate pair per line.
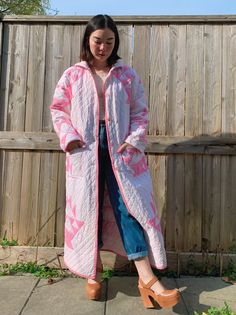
x,y
74,145
124,146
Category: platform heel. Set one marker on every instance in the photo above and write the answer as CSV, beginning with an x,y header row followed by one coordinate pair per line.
x,y
166,299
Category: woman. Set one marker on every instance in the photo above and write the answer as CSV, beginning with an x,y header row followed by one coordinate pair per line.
x,y
99,112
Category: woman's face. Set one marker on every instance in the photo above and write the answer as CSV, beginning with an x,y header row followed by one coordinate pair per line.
x,y
101,43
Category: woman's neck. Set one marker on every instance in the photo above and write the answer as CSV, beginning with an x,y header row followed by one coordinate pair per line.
x,y
100,66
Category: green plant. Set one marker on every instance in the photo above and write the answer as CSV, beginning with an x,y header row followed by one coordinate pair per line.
x,y
4,243
225,310
107,274
230,272
40,271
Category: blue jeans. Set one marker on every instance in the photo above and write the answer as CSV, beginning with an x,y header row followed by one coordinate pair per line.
x,y
131,232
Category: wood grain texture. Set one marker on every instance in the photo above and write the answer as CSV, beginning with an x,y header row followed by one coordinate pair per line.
x,y
228,199
1,109
1,128
212,118
149,19
228,213
175,127
15,58
28,208
193,127
76,42
159,56
126,43
58,58
202,145
141,54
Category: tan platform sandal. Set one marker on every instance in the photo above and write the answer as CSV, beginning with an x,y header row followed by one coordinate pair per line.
x,y
166,299
94,290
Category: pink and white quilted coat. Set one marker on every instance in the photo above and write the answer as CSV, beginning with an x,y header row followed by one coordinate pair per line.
x,y
75,115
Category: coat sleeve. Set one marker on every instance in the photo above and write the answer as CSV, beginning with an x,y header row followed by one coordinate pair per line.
x,y
138,115
61,112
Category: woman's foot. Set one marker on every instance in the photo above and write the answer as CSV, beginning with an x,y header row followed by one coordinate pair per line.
x,y
94,290
94,286
155,290
157,287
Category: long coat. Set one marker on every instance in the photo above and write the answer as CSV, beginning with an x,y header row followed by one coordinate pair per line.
x,y
75,115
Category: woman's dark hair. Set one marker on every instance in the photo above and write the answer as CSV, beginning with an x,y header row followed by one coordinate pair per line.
x,y
98,22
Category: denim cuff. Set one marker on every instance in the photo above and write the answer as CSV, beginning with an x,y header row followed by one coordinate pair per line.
x,y
137,255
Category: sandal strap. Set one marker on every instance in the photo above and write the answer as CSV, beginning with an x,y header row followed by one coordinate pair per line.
x,y
149,284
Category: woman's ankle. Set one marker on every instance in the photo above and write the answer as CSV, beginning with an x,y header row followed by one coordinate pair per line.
x,y
157,287
146,278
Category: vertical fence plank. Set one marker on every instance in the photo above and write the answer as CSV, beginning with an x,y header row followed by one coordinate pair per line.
x,y
76,41
1,33
1,42
159,52
228,168
77,36
193,127
212,126
5,66
28,213
228,201
141,54
175,126
60,201
126,43
15,55
58,58
1,128
5,72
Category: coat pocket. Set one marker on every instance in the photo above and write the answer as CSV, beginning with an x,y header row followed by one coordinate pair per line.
x,y
135,161
76,162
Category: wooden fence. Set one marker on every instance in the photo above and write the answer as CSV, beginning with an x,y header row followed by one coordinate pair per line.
x,y
188,68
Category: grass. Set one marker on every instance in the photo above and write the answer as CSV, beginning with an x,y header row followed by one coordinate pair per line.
x,y
225,310
40,271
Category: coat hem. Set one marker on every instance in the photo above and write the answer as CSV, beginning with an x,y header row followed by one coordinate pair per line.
x,y
77,273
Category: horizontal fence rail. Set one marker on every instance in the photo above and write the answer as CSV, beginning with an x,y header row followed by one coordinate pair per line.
x,y
48,141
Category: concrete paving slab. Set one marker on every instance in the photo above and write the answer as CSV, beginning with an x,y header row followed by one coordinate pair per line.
x,y
199,294
27,295
124,298
14,292
64,297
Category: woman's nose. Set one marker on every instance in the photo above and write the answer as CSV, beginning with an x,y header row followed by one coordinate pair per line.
x,y
102,46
